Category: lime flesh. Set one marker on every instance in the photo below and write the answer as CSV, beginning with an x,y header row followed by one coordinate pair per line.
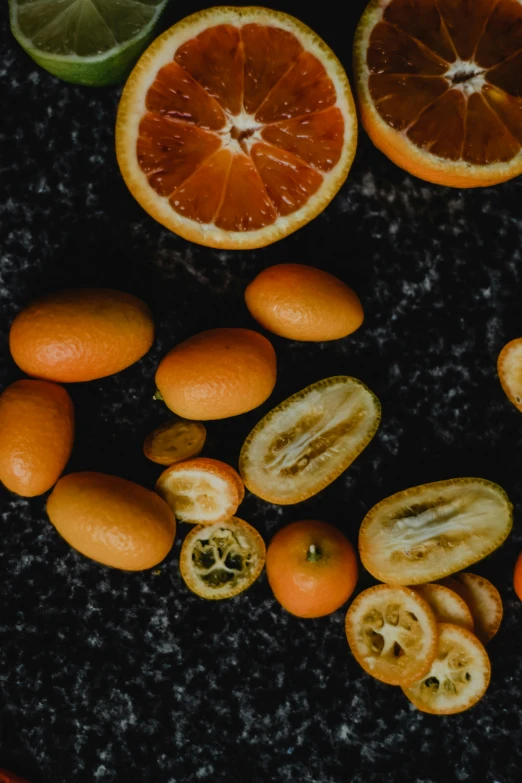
x,y
93,42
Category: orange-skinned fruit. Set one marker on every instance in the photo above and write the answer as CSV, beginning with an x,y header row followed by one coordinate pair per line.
x,y
311,568
81,334
111,520
217,373
303,303
10,777
36,436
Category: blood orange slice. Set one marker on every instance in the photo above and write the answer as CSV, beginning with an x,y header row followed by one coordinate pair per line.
x,y
440,87
236,127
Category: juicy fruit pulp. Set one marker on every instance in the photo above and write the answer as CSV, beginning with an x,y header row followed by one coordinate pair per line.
x,y
87,41
309,440
392,633
175,441
425,533
201,491
458,677
449,76
243,124
220,561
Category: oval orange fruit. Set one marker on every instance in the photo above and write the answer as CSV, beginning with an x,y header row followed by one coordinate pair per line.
x,y
217,374
175,441
81,334
236,127
303,303
36,436
439,84
111,520
311,567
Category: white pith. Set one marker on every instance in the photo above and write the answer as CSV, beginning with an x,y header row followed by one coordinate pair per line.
x,y
462,670
421,157
468,67
133,108
271,451
403,547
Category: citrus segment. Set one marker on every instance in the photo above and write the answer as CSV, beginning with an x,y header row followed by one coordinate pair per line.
x,y
222,560
176,95
258,101
288,181
425,533
458,677
201,491
317,139
308,440
509,368
175,441
438,83
392,634
215,59
169,151
269,53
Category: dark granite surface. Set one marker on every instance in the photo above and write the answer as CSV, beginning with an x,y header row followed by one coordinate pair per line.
x,y
127,678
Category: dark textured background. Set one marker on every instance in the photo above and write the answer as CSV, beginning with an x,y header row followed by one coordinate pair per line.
x,y
113,677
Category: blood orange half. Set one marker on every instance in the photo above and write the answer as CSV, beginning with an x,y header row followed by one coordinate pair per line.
x,y
440,87
236,127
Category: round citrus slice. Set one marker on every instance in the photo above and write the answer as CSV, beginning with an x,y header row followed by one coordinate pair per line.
x,y
175,441
308,440
510,369
459,675
392,633
92,42
447,605
220,561
439,84
425,533
484,602
236,127
201,491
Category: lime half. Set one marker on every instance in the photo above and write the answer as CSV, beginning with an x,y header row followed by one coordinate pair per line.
x,y
93,42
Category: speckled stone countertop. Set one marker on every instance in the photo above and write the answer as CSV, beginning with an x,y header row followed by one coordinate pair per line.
x,y
110,677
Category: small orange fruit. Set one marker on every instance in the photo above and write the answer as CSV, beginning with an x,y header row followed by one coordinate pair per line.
x,y
36,436
392,633
217,374
517,577
303,303
439,87
236,127
458,677
509,368
222,560
175,441
81,335
201,491
311,568
111,520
